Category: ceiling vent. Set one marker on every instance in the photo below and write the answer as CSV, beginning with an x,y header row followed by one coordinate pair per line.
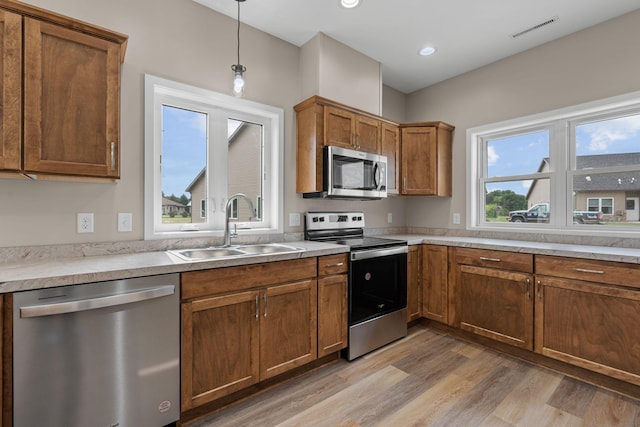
x,y
535,27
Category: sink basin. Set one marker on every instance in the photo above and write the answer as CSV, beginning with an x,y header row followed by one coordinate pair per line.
x,y
268,248
207,253
234,251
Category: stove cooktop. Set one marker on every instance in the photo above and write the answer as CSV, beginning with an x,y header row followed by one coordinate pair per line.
x,y
368,242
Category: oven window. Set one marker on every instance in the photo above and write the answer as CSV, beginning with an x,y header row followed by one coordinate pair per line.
x,y
377,286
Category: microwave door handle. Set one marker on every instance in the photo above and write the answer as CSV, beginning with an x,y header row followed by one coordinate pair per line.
x,y
376,175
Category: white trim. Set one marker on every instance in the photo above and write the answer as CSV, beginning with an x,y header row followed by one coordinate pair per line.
x,y
562,153
272,119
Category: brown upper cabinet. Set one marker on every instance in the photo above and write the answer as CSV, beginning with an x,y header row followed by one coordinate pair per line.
x,y
426,159
321,122
418,154
67,95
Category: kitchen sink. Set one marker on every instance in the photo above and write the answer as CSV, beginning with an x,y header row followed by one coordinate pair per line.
x,y
218,252
268,248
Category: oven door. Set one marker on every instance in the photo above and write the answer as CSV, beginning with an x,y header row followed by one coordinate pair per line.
x,y
377,282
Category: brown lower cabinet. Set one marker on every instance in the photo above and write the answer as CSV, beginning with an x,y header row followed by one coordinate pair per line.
x,y
245,324
414,283
493,292
592,322
332,304
435,282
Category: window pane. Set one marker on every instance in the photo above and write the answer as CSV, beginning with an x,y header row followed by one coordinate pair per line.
x,y
517,201
183,161
605,143
245,165
518,155
611,194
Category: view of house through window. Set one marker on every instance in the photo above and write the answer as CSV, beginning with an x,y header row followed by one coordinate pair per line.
x,y
184,165
565,172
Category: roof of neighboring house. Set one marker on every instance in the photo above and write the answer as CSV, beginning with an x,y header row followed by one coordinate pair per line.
x,y
617,181
169,202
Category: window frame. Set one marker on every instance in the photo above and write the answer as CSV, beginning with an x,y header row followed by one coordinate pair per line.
x,y
158,92
562,154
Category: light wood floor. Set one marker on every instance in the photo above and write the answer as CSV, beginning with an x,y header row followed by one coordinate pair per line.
x,y
431,379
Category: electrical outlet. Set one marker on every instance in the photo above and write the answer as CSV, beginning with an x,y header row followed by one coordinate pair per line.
x,y
85,223
125,222
389,217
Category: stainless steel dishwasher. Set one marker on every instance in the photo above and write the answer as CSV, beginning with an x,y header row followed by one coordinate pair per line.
x,y
99,354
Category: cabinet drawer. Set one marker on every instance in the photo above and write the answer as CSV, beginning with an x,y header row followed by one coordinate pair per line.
x,y
197,284
606,272
495,259
332,264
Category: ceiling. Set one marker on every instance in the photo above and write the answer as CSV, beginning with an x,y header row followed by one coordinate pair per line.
x,y
467,34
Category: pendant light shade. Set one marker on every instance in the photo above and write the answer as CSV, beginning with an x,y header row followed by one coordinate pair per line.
x,y
237,68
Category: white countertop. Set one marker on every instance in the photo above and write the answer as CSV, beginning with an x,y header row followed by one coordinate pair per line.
x,y
25,275
603,253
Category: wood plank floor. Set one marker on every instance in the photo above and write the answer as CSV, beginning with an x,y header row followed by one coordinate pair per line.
x,y
431,379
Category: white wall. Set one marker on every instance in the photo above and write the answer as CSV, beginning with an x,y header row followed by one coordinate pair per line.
x,y
599,62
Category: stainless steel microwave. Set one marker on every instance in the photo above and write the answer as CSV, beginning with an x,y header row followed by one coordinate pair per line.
x,y
351,174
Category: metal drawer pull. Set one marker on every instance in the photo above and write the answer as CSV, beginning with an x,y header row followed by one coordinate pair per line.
x,y
586,270
482,258
340,264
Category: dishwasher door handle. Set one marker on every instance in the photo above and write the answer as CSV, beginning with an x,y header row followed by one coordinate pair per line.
x,y
97,302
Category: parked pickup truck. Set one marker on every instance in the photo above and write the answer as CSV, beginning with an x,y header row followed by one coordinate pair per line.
x,y
540,213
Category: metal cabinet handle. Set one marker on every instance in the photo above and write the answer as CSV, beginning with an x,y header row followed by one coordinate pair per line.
x,y
257,307
539,291
528,289
113,156
404,183
586,270
265,304
482,258
340,264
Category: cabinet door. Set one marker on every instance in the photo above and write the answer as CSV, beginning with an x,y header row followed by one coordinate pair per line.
x,y
496,304
435,282
332,314
10,90
414,285
339,128
419,166
589,325
288,328
390,147
220,347
367,134
72,102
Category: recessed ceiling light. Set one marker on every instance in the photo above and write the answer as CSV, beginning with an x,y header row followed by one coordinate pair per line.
x,y
427,50
349,4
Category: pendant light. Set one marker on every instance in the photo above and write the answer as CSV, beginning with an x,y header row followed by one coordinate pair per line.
x,y
237,68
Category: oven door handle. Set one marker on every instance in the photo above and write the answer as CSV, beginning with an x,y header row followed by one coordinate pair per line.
x,y
375,253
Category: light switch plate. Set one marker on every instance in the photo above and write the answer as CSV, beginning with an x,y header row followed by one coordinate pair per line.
x,y
294,219
125,221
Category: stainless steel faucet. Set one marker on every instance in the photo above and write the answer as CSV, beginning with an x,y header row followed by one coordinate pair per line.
x,y
253,214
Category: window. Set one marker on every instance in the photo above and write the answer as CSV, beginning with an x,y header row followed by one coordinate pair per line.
x,y
200,148
602,205
234,209
544,171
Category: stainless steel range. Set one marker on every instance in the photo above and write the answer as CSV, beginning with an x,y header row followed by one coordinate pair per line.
x,y
377,279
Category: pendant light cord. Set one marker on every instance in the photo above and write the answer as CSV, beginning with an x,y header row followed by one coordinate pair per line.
x,y
238,32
